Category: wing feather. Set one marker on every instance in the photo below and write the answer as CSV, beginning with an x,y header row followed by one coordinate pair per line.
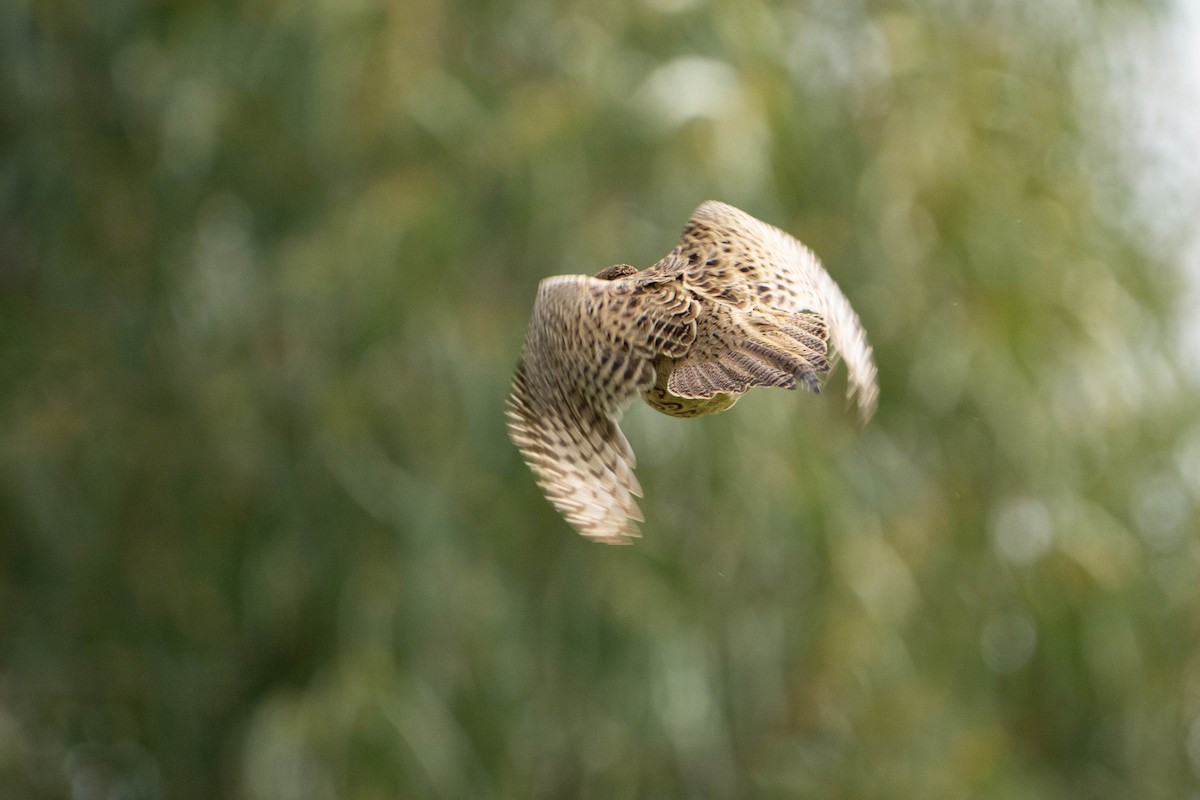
x,y
589,350
737,349
722,245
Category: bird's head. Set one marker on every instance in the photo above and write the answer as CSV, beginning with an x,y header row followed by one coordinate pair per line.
x,y
616,271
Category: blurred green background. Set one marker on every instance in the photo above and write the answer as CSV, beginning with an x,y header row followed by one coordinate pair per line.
x,y
265,270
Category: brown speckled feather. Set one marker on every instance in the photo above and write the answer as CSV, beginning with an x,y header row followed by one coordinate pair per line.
x,y
736,350
738,303
729,252
590,348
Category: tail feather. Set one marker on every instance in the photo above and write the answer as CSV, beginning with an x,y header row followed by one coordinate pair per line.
x,y
745,351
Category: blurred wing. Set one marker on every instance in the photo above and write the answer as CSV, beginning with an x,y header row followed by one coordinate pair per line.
x,y
743,261
590,348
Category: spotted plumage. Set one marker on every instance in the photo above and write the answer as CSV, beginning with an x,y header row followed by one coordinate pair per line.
x,y
737,304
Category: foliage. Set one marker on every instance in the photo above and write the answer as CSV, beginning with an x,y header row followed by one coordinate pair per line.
x,y
264,272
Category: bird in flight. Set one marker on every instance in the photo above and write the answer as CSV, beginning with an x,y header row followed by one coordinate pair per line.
x,y
738,303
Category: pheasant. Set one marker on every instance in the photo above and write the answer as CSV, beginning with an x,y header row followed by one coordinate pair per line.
x,y
738,303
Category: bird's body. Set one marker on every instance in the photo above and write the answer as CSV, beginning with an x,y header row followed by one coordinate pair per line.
x,y
737,304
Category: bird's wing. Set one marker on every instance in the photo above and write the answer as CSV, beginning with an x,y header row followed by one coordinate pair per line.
x,y
590,348
732,257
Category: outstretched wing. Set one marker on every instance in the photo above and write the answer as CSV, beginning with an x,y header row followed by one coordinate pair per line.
x,y
742,261
590,348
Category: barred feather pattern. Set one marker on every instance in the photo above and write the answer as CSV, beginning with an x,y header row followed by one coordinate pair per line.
x,y
737,304
773,272
590,348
